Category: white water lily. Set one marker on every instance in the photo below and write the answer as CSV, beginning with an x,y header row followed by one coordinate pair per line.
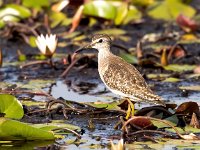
x,y
47,45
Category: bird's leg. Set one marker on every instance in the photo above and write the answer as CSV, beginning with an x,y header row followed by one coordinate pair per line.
x,y
131,109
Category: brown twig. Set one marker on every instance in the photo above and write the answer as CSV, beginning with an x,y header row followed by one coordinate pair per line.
x,y
149,131
74,61
36,63
67,129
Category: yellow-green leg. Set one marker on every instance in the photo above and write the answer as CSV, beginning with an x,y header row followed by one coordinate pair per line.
x,y
131,109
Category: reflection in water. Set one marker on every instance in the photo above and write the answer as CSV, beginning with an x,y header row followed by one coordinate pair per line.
x,y
60,89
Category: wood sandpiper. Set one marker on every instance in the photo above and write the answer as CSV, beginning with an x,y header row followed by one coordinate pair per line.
x,y
119,76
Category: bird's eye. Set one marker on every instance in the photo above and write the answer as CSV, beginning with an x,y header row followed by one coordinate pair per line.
x,y
101,40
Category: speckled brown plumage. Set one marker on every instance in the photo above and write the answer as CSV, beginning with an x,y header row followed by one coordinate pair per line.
x,y
119,76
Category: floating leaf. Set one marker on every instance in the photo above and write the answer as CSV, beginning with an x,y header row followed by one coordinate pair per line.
x,y
32,40
11,106
35,3
57,18
113,31
13,12
51,126
129,58
170,9
101,9
179,68
15,130
157,76
191,88
133,14
185,130
121,13
170,79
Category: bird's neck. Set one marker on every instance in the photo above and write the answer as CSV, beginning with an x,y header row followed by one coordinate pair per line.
x,y
103,54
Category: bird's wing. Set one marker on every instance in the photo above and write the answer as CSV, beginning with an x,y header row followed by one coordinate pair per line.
x,y
124,77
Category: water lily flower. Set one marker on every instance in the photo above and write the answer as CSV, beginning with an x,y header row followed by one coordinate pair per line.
x,y
47,45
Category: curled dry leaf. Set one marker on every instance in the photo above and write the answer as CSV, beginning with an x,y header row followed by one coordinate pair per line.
x,y
194,121
188,108
76,19
163,58
186,23
142,122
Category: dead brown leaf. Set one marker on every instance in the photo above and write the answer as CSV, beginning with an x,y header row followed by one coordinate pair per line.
x,y
76,19
186,23
188,108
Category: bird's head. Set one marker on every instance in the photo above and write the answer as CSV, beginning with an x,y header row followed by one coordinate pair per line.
x,y
99,42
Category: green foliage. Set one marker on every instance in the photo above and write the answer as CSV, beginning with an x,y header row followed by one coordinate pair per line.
x,y
15,130
11,106
58,18
13,13
101,9
129,58
119,12
179,68
35,3
170,9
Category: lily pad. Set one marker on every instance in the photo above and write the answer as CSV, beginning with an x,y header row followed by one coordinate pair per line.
x,y
113,31
171,79
35,3
129,58
11,106
170,9
179,68
15,130
101,9
13,12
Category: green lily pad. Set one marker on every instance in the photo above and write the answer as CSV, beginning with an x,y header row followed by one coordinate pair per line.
x,y
171,79
15,130
179,68
32,42
129,58
133,14
109,106
13,12
186,130
51,126
121,13
36,3
170,9
101,9
113,31
58,18
11,106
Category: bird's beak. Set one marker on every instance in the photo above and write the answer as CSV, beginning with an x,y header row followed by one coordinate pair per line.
x,y
89,46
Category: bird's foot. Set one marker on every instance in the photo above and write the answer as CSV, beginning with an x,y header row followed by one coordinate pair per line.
x,y
131,110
